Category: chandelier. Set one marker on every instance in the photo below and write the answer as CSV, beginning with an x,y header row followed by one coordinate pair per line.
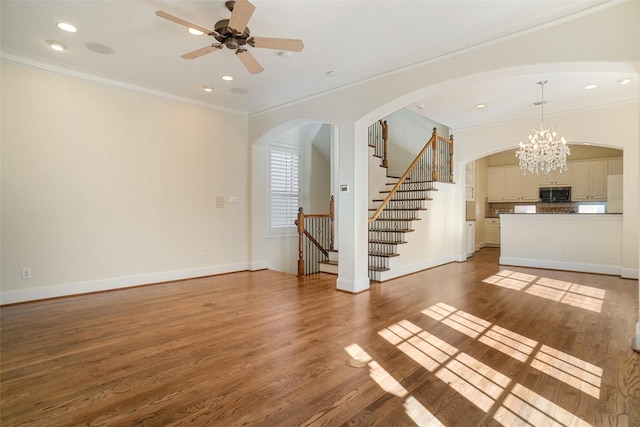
x,y
545,151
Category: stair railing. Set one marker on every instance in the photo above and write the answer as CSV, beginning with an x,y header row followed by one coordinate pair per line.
x,y
315,239
378,134
435,160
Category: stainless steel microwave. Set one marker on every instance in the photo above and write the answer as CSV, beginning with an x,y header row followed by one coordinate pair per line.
x,y
555,194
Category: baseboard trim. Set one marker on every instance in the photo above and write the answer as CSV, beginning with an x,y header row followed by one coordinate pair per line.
x,y
614,270
396,272
68,289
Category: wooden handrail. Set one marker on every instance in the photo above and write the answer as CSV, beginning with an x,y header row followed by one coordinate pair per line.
x,y
433,143
402,179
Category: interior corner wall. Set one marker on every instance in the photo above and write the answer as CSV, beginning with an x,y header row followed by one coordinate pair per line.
x,y
281,252
104,188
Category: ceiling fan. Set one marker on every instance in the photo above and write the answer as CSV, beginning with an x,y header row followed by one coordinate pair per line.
x,y
235,35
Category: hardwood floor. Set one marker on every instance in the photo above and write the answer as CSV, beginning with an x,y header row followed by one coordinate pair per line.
x,y
465,344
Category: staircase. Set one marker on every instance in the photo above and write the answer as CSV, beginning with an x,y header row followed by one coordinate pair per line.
x,y
396,219
397,206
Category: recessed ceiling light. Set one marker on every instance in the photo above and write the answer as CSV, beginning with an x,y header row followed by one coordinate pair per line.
x,y
481,106
625,81
227,78
195,32
331,73
67,27
419,106
284,54
207,88
589,87
56,45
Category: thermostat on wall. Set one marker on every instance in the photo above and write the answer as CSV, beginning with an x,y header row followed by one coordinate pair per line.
x,y
344,188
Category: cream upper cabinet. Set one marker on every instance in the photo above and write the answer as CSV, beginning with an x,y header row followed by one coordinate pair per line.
x,y
508,184
555,178
529,187
496,184
589,180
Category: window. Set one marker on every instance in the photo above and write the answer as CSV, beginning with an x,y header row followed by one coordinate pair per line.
x,y
524,209
284,189
596,208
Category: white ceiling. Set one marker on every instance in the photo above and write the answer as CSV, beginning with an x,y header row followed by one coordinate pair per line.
x,y
356,39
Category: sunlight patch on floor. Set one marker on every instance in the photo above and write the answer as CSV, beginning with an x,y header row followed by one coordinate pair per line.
x,y
574,294
412,407
524,407
566,368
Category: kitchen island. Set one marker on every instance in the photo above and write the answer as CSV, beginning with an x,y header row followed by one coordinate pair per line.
x,y
589,243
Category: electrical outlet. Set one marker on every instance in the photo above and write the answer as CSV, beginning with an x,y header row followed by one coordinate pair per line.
x,y
25,274
201,257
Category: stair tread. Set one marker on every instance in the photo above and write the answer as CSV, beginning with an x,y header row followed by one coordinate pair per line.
x,y
399,209
397,219
371,268
397,242
328,262
380,254
390,230
403,200
407,191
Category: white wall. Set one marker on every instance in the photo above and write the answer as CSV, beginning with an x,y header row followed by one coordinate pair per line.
x,y
105,188
409,132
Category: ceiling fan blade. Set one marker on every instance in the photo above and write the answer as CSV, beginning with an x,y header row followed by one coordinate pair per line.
x,y
249,61
242,11
165,15
294,45
203,51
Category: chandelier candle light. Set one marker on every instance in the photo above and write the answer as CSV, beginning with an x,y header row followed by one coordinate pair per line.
x,y
545,151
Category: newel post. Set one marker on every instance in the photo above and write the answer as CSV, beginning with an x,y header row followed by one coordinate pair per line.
x,y
300,223
385,138
435,155
451,158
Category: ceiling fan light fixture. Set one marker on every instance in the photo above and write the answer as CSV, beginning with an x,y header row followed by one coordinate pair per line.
x,y
65,26
195,32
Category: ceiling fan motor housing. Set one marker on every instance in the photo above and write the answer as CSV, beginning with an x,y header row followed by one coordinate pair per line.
x,y
228,37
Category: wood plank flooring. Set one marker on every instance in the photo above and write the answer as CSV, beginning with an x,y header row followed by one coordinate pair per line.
x,y
465,344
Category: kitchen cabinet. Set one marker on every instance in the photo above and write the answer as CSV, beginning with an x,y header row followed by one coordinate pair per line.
x,y
495,181
555,178
589,180
470,181
508,184
492,231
